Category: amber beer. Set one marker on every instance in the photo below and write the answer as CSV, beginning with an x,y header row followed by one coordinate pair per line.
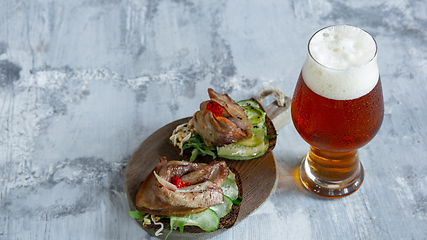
x,y
337,125
337,108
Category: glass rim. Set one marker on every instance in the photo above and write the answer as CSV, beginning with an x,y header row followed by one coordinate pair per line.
x,y
342,25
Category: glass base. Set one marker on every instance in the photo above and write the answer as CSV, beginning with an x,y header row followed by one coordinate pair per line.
x,y
330,188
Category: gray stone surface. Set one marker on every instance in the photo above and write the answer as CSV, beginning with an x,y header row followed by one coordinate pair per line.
x,y
83,83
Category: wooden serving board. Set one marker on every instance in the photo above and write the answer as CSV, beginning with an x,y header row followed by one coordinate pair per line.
x,y
259,176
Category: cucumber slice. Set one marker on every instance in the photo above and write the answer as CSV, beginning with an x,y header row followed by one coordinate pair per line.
x,y
230,189
256,139
259,127
231,175
248,103
252,109
222,209
239,152
207,220
255,116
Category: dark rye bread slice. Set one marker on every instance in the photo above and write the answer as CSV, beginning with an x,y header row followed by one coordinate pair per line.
x,y
226,222
271,131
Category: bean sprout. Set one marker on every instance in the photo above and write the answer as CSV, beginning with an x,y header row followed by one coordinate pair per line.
x,y
159,231
182,134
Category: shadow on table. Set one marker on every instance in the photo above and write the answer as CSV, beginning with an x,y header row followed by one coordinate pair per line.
x,y
289,182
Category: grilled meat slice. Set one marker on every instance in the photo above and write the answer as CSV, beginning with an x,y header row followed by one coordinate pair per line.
x,y
222,124
157,195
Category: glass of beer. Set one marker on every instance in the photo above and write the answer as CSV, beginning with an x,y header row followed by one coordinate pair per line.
x,y
337,108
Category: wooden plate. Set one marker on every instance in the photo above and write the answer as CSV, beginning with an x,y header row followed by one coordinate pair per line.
x,y
259,176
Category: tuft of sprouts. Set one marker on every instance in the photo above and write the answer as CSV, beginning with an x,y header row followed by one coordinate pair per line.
x,y
182,134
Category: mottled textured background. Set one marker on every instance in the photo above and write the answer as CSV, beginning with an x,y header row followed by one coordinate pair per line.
x,y
83,83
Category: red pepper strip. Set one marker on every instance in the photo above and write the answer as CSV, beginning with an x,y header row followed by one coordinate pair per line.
x,y
179,183
215,108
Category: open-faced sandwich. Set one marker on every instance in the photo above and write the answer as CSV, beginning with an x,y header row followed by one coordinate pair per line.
x,y
201,197
225,129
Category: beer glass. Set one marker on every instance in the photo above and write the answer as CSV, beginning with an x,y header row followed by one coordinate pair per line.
x,y
337,108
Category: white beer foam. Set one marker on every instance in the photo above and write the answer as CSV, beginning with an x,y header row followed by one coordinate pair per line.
x,y
342,63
